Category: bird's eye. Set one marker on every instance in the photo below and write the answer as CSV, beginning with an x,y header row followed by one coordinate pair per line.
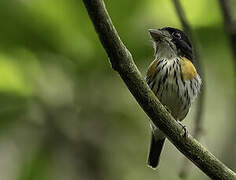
x,y
176,35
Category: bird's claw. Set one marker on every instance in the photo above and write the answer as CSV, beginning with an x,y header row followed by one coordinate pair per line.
x,y
167,109
184,133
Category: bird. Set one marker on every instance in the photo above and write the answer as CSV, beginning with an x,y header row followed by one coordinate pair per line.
x,y
173,78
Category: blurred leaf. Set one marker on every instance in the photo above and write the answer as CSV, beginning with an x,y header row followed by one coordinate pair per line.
x,y
13,77
37,166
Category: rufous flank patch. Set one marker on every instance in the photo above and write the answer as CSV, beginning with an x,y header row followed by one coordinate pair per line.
x,y
152,68
188,70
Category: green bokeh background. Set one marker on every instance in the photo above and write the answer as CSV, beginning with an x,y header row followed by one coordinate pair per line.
x,y
65,114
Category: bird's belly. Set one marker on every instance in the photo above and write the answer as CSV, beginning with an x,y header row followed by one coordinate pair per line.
x,y
177,106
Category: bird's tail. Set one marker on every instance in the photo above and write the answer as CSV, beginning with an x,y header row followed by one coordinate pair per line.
x,y
155,151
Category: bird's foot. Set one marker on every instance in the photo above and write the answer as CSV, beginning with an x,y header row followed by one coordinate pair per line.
x,y
184,133
167,109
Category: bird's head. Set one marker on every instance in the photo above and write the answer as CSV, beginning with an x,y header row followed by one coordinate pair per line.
x,y
170,43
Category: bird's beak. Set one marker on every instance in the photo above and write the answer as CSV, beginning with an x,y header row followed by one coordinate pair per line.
x,y
156,34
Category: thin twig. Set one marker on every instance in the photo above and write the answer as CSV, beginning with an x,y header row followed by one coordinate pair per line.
x,y
122,62
229,17
200,103
230,23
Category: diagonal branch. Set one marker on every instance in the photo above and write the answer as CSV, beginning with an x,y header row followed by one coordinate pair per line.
x,y
230,23
229,17
200,103
122,62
